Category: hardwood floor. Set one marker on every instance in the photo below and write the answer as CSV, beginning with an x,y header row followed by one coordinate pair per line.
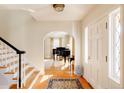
x,y
57,72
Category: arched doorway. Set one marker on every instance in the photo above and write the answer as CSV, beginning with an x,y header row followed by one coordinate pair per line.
x,y
54,40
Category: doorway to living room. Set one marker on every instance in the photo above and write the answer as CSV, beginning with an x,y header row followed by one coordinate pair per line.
x,y
58,50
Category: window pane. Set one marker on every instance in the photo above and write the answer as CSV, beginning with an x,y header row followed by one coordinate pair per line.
x,y
116,45
114,42
55,42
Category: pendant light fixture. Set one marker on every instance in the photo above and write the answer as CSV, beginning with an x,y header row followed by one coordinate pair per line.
x,y
58,7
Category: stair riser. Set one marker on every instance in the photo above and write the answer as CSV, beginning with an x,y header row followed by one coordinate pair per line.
x,y
2,71
9,76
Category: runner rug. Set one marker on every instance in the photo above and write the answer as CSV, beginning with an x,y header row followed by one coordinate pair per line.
x,y
64,84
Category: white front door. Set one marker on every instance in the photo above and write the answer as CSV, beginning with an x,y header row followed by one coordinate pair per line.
x,y
103,81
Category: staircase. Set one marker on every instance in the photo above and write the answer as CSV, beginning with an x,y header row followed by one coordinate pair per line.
x,y
15,72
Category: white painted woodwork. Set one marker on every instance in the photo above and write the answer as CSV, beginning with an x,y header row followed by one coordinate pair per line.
x,y
96,70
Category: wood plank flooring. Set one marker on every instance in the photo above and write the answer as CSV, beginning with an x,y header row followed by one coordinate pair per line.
x,y
54,72
30,79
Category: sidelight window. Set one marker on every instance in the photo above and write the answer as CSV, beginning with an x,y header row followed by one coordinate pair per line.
x,y
114,45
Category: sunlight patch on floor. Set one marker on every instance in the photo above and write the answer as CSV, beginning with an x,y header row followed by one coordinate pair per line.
x,y
45,77
57,64
65,66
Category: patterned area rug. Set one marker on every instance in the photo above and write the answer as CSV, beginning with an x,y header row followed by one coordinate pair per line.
x,y
64,84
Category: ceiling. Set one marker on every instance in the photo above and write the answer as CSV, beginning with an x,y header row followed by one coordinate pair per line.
x,y
45,12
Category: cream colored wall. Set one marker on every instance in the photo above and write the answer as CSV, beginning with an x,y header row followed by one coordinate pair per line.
x,y
48,48
20,29
37,32
92,17
27,34
35,39
13,27
71,45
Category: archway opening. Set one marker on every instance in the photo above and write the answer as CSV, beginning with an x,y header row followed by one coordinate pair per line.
x,y
54,41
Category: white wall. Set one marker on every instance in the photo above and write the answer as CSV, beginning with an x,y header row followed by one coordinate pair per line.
x,y
71,43
91,18
35,39
37,31
77,40
21,30
13,27
48,48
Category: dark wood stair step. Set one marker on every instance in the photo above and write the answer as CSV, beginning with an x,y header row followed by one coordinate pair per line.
x,y
2,67
9,73
14,78
13,86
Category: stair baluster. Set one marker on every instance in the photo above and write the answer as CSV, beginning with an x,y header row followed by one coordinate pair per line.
x,y
9,56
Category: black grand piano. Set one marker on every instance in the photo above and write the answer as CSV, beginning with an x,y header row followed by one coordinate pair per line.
x,y
61,51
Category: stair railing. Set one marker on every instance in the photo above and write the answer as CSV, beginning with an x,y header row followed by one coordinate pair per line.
x,y
19,53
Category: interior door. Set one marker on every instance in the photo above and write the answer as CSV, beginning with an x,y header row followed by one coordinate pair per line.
x,y
92,54
103,81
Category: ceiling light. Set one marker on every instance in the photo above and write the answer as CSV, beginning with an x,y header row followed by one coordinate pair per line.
x,y
59,7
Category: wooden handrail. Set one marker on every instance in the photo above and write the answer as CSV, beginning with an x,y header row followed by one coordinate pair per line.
x,y
10,45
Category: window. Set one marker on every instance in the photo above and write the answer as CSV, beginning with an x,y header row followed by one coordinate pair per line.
x,y
86,45
114,45
55,42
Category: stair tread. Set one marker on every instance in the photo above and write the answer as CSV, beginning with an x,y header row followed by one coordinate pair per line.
x,y
13,86
9,73
15,78
31,78
2,67
14,62
16,69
